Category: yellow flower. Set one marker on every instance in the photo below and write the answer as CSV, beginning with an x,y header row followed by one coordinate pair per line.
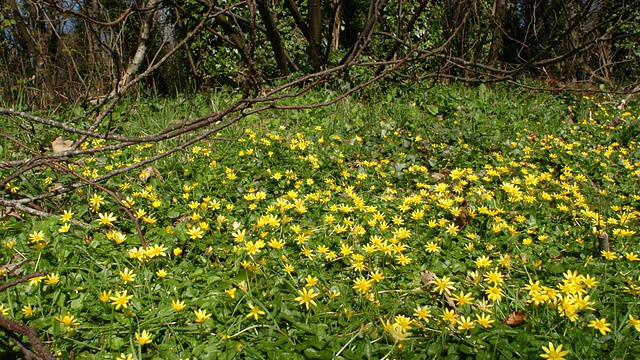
x,y
363,285
231,292
127,275
553,353
483,261
306,297
161,273
35,280
444,285
36,236
64,228
28,310
403,322
195,233
106,219
96,201
634,322
466,323
120,299
178,305
334,293
450,316
311,281
600,324
494,293
422,313
201,315
144,338
68,320
104,296
463,299
377,276
432,247
52,278
255,311
484,320
66,217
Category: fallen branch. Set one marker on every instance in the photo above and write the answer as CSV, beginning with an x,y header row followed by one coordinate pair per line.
x,y
11,327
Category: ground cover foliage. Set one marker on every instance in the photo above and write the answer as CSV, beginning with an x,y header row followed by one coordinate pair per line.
x,y
449,222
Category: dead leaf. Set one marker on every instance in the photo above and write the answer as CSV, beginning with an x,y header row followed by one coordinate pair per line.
x,y
603,241
147,172
515,318
427,276
60,145
15,268
180,219
463,219
438,176
449,300
615,122
9,211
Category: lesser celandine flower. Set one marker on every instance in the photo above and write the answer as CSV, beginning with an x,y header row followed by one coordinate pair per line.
x,y
422,313
52,278
404,322
201,315
231,292
144,338
363,285
104,296
127,275
553,353
466,323
450,316
634,322
600,324
255,311
178,305
495,293
161,273
36,236
195,233
67,216
462,298
120,299
484,320
28,310
306,297
96,201
35,280
106,219
68,320
444,285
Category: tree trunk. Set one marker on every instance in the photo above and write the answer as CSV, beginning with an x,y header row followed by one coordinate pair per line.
x,y
314,19
337,23
497,20
144,41
34,48
273,35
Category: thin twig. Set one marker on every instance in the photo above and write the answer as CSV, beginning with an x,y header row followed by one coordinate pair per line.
x,y
25,278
